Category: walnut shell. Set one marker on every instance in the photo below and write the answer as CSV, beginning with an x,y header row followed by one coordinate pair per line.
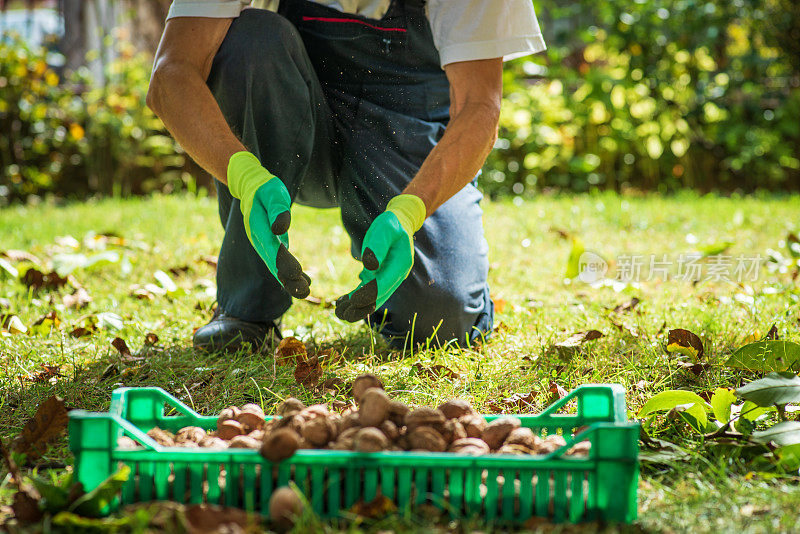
x,y
284,507
231,412
290,407
163,437
244,442
190,433
125,442
424,416
362,383
426,438
352,420
397,412
581,448
251,420
471,446
514,448
213,442
370,439
390,430
498,430
280,445
453,430
455,408
374,407
550,443
319,431
252,407
257,434
523,436
230,429
473,425
345,440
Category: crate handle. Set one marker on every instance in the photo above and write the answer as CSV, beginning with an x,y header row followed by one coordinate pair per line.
x,y
150,400
614,394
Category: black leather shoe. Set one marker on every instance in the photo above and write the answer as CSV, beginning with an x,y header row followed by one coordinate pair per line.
x,y
224,333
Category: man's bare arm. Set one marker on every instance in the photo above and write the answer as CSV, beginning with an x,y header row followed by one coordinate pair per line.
x,y
178,93
476,89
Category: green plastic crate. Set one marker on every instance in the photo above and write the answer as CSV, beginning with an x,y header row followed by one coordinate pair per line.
x,y
502,488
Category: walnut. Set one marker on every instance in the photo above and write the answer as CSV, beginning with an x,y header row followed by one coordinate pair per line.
x,y
390,430
125,442
312,412
514,448
231,412
374,407
469,446
426,438
362,383
453,430
244,442
345,440
280,445
290,407
581,448
257,434
370,439
319,431
164,438
284,508
252,407
473,425
190,433
295,422
523,436
251,417
213,442
229,429
455,408
352,420
550,443
397,412
424,417
498,430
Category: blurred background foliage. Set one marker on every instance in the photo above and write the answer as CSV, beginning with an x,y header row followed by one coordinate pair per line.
x,y
643,94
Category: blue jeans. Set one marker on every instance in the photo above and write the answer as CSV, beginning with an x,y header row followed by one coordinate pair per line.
x,y
344,110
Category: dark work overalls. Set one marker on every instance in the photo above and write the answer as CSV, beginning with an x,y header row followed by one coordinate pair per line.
x,y
344,109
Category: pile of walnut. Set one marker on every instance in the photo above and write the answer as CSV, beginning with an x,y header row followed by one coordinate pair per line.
x,y
379,424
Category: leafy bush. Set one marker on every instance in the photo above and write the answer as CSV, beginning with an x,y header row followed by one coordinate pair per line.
x,y
654,95
78,137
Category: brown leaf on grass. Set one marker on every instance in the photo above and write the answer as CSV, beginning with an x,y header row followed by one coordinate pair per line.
x,y
4,303
48,319
624,327
773,333
308,371
563,234
378,507
78,299
47,373
124,352
684,342
150,338
26,508
436,371
178,270
696,368
208,518
20,255
330,357
36,279
49,421
516,403
556,392
290,351
579,338
81,332
499,304
211,261
626,307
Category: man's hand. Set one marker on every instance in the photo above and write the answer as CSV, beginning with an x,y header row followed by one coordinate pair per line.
x,y
387,255
265,205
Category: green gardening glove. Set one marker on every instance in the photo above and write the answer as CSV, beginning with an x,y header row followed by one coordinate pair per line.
x,y
387,255
265,205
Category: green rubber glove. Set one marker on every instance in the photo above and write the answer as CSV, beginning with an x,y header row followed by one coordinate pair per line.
x,y
387,255
265,205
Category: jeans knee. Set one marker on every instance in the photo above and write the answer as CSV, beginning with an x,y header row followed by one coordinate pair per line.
x,y
439,317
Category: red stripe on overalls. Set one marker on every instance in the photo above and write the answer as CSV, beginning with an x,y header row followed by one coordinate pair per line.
x,y
330,19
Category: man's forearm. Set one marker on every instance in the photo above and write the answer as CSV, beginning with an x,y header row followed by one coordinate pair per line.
x,y
458,156
183,102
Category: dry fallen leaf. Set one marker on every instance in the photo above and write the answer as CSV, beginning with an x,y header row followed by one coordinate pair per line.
x,y
556,392
124,351
290,351
772,333
499,304
579,338
47,373
81,332
150,338
378,507
36,279
435,372
311,299
211,261
49,421
684,342
11,324
208,518
516,403
308,371
627,307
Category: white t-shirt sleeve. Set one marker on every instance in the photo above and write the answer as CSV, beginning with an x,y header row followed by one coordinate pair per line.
x,y
466,30
218,9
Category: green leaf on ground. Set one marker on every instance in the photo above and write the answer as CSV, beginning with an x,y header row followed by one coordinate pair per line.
x,y
721,402
667,400
93,503
767,355
64,264
574,260
783,434
773,389
694,415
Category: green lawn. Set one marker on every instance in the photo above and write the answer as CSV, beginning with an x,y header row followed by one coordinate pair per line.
x,y
536,309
